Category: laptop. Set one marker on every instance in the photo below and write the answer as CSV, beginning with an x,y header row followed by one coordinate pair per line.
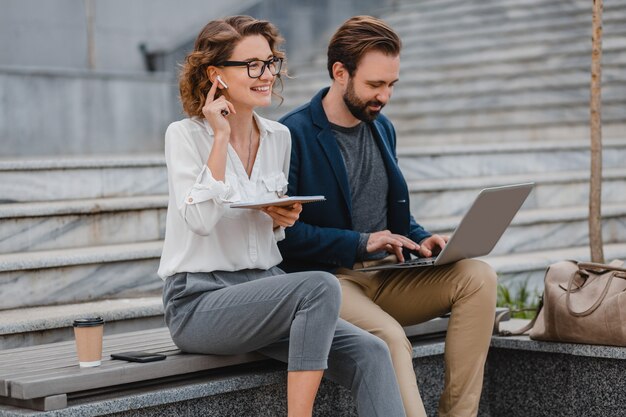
x,y
479,230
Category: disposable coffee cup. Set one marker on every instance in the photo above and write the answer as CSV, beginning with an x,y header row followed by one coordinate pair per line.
x,y
88,334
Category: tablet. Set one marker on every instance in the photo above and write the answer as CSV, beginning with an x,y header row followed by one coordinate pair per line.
x,y
285,201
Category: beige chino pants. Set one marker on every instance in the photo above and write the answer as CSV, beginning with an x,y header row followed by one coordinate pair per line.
x,y
383,302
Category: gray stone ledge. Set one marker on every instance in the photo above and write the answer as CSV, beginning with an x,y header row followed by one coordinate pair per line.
x,y
559,103
504,147
143,160
526,343
96,162
74,73
474,183
555,21
80,256
408,11
34,319
539,261
86,206
422,349
529,217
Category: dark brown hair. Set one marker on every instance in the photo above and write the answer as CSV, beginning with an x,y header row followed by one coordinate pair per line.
x,y
215,44
357,36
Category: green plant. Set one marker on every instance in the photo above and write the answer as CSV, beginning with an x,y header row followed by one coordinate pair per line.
x,y
518,297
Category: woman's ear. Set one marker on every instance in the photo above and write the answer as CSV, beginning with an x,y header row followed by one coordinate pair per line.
x,y
211,73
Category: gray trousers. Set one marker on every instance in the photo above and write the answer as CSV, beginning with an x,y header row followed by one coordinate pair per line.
x,y
289,317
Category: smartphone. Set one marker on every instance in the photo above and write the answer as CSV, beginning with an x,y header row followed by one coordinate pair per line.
x,y
138,356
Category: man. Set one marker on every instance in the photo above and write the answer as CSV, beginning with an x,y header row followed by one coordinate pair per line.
x,y
345,149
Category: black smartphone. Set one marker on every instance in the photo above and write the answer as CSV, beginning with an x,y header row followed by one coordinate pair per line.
x,y
138,356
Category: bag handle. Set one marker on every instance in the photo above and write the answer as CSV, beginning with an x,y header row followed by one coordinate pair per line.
x,y
594,268
518,332
602,268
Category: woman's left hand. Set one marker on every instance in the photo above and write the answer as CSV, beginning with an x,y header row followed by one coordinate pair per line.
x,y
284,216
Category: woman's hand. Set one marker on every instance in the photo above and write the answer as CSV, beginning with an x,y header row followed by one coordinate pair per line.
x,y
284,216
216,111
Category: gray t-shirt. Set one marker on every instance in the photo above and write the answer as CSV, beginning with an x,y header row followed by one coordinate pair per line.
x,y
368,182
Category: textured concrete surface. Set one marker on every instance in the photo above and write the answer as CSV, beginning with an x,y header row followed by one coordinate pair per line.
x,y
523,378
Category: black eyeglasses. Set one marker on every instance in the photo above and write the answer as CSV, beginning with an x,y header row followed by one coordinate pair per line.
x,y
256,68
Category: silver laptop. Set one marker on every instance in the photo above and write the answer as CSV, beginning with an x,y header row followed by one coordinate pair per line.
x,y
479,230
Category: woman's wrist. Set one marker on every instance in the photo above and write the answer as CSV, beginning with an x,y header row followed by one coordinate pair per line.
x,y
221,138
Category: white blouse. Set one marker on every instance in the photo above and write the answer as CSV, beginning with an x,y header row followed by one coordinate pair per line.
x,y
202,232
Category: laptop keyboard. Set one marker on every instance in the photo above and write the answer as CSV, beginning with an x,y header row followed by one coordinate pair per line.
x,y
420,261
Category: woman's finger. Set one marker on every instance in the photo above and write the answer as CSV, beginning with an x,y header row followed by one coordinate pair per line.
x,y
230,107
284,219
280,219
211,94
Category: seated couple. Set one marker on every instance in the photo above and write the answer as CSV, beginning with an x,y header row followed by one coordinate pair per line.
x,y
227,288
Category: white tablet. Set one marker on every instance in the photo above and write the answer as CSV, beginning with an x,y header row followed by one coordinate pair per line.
x,y
285,201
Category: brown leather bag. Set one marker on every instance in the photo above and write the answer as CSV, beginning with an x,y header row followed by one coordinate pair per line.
x,y
583,302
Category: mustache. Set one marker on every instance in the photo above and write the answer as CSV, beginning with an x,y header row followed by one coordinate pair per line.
x,y
375,103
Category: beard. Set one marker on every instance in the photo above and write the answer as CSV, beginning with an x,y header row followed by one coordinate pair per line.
x,y
359,108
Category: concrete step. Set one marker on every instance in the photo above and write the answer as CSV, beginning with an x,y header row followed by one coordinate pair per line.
x,y
492,101
557,83
38,325
529,268
451,17
494,121
546,61
416,34
81,223
493,159
453,196
521,134
29,279
66,178
549,35
549,90
547,229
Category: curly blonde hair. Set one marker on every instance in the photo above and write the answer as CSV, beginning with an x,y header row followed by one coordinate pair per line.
x,y
215,44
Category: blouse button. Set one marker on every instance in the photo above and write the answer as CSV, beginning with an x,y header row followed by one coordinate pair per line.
x,y
190,200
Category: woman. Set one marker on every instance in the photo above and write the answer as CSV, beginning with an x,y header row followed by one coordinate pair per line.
x,y
223,293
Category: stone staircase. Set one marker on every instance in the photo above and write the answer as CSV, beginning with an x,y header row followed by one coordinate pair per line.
x,y
491,93
79,236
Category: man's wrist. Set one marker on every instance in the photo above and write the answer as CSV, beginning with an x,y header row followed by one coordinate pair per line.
x,y
361,251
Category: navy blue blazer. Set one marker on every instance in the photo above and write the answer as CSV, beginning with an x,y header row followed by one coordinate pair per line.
x,y
323,239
